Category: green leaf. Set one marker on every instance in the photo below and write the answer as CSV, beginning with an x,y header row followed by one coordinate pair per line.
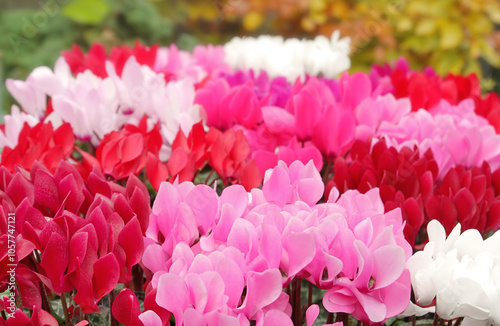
x,y
92,12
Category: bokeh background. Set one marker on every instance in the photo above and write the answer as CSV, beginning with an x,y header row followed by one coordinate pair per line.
x,y
453,36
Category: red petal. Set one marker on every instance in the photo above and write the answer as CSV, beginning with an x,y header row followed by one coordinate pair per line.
x,y
126,308
106,275
130,239
157,171
55,259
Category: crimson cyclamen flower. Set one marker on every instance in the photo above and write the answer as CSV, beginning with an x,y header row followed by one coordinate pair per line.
x,y
189,154
229,158
95,59
125,152
89,232
405,179
40,143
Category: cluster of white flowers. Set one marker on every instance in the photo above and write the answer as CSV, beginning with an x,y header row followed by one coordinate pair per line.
x,y
292,57
95,106
462,272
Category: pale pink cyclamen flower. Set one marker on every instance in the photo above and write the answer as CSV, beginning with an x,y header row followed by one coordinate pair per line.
x,y
86,101
371,112
455,134
141,91
95,106
349,247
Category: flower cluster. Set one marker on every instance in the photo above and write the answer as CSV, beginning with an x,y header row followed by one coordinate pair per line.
x,y
217,194
459,272
71,234
235,253
291,58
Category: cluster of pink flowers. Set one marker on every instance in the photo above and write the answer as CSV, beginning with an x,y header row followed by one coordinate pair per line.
x,y
205,250
218,193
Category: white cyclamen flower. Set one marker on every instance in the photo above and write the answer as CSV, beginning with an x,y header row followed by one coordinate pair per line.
x,y
462,272
290,58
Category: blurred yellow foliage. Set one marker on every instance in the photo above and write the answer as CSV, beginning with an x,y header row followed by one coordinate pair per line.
x,y
450,35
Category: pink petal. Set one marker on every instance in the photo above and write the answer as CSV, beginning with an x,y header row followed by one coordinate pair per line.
x,y
270,246
389,263
193,317
277,188
311,314
301,248
276,317
172,295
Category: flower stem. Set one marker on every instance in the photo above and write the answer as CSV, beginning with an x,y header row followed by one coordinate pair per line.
x,y
329,319
137,276
414,320
310,295
65,308
459,321
208,177
329,163
114,322
435,322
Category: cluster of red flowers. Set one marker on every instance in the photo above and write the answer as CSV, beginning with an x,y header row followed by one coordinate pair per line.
x,y
407,180
72,234
40,143
225,152
95,59
425,90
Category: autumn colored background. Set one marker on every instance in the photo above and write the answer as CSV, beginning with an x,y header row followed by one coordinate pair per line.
x,y
453,36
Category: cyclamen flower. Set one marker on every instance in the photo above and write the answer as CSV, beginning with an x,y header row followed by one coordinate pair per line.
x,y
460,272
95,59
456,136
291,58
126,152
374,284
90,254
40,142
14,123
197,243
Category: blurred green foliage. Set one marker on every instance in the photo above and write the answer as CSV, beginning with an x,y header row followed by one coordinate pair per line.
x,y
36,36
